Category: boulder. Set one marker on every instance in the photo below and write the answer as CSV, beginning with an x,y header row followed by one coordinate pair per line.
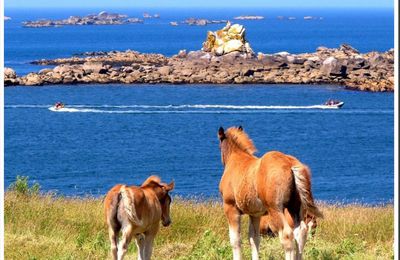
x,y
94,67
348,49
182,54
45,71
332,66
10,77
229,39
9,73
357,63
32,79
165,70
62,69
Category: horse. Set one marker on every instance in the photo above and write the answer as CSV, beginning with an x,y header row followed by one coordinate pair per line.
x,y
267,227
275,184
137,211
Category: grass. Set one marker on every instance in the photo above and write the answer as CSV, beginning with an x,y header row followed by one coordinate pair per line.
x,y
49,227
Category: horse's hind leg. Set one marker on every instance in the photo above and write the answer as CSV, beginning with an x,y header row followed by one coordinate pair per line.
x,y
300,235
233,216
254,236
113,235
286,235
140,243
125,240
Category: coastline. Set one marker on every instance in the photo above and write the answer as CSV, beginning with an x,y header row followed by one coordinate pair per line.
x,y
373,71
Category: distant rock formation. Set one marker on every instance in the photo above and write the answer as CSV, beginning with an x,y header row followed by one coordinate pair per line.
x,y
249,17
226,58
312,18
229,39
286,18
102,18
10,77
201,22
149,16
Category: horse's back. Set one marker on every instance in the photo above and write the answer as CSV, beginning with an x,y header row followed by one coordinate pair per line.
x,y
276,178
276,158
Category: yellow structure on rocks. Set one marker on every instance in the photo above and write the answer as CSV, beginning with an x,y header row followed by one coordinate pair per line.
x,y
229,39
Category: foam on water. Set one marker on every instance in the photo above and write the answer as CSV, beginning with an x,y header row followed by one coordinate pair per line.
x,y
196,106
196,109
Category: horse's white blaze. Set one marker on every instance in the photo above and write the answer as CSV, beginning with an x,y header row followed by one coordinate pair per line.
x,y
234,237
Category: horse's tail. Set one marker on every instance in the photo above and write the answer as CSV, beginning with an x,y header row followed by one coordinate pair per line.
x,y
128,199
302,179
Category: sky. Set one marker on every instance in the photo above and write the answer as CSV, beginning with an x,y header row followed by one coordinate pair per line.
x,y
199,3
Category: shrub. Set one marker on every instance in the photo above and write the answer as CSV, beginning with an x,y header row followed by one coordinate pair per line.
x,y
21,186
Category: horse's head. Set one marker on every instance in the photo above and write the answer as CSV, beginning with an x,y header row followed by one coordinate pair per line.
x,y
165,205
162,192
234,139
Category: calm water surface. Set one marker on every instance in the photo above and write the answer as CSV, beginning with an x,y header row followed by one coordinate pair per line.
x,y
116,133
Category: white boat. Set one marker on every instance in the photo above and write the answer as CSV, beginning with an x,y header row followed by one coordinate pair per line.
x,y
334,104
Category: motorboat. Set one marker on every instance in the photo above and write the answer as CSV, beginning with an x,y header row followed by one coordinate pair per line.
x,y
334,103
58,105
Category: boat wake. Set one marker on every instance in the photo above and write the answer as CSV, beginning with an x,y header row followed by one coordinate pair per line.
x,y
188,109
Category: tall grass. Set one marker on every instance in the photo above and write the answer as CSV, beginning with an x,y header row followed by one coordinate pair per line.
x,y
48,227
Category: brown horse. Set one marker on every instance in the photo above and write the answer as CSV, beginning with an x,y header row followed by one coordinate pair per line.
x,y
275,184
267,225
137,211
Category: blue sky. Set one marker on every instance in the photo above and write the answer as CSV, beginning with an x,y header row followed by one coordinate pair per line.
x,y
200,3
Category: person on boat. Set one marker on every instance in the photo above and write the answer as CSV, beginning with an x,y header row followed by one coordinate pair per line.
x,y
331,102
59,105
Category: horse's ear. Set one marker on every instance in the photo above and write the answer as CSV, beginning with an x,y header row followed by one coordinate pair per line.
x,y
170,186
221,133
240,128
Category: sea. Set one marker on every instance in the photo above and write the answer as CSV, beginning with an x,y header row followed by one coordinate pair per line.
x,y
111,134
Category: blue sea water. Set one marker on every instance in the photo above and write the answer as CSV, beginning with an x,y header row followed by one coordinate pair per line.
x,y
122,133
114,134
364,29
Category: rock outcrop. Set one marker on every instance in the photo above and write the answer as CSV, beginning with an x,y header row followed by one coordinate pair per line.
x,y
201,22
226,58
102,18
229,39
249,17
10,77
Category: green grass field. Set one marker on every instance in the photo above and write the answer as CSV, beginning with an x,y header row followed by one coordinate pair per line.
x,y
48,227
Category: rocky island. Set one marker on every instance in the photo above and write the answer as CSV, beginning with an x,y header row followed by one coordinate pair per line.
x,y
201,22
249,17
102,18
149,16
226,58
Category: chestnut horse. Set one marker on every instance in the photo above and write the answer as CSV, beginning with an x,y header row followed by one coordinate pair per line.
x,y
267,225
275,184
137,211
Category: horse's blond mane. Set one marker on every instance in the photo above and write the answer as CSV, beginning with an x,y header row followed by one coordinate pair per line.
x,y
152,179
241,140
